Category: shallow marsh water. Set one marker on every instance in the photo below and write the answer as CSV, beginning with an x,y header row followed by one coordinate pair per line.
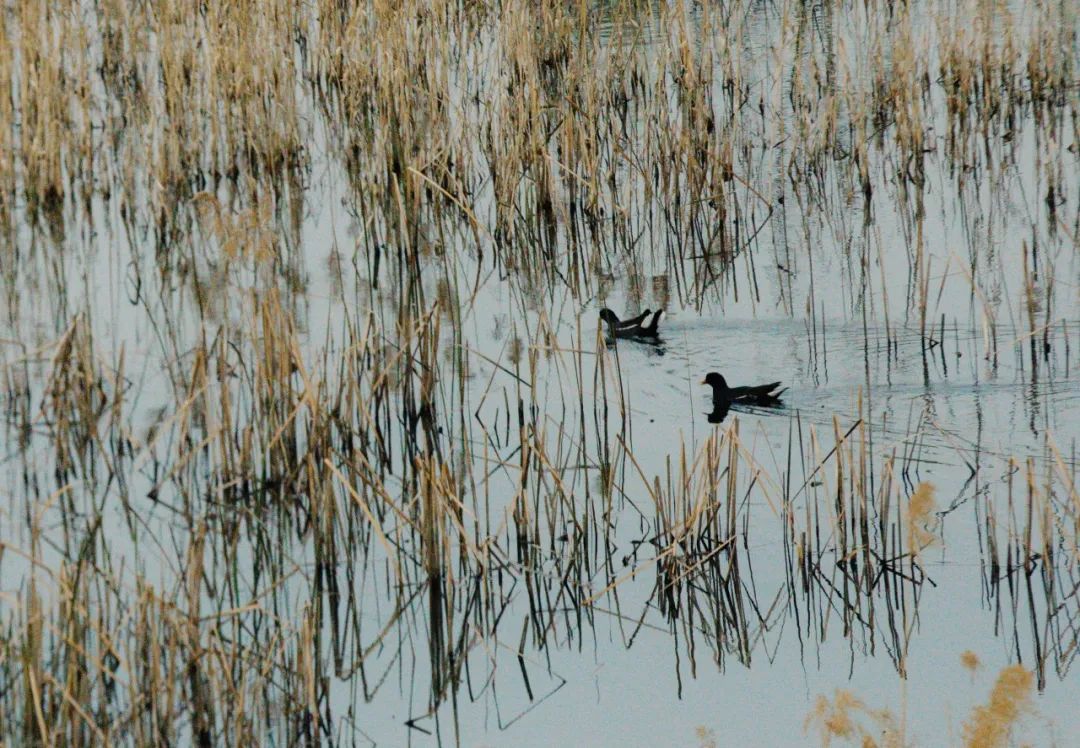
x,y
341,442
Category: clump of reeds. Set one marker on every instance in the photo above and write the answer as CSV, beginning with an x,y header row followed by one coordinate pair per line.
x,y
1029,532
846,539
696,539
77,396
47,134
7,154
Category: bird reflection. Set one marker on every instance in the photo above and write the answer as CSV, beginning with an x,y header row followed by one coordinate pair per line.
x,y
719,412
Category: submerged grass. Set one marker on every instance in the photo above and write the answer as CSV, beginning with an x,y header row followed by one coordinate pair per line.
x,y
847,719
989,726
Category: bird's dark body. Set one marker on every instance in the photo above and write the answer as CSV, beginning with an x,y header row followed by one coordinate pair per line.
x,y
761,394
631,328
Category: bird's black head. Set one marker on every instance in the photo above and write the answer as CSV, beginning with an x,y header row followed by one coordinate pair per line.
x,y
715,380
609,316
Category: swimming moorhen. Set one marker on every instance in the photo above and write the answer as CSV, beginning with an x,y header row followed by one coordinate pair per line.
x,y
762,394
631,328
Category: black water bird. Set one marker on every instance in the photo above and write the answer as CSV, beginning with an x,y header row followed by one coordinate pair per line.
x,y
631,328
722,395
613,319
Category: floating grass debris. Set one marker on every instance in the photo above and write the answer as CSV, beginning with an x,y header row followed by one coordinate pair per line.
x,y
989,726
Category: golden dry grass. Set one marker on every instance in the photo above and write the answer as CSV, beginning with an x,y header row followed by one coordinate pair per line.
x,y
989,726
919,519
848,719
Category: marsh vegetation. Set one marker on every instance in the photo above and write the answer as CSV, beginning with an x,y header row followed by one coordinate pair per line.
x,y
311,433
